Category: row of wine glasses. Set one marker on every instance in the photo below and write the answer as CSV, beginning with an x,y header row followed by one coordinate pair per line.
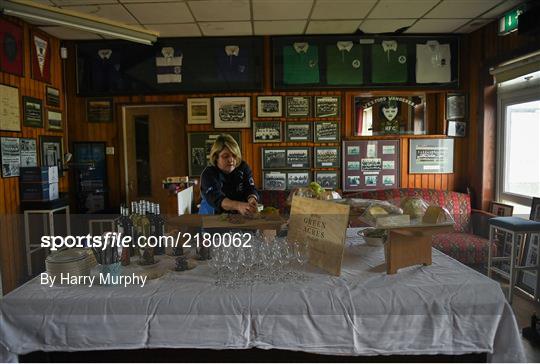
x,y
264,260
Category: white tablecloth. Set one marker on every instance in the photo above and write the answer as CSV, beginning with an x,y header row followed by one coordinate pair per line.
x,y
445,308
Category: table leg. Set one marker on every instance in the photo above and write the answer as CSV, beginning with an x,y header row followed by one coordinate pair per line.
x,y
68,221
27,244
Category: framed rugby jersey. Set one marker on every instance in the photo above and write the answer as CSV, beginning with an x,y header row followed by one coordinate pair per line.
x,y
300,63
433,62
344,63
389,62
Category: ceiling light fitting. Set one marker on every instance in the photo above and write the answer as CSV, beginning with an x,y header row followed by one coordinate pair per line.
x,y
49,15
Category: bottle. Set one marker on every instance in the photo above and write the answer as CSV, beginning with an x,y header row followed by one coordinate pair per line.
x,y
159,226
125,227
134,217
147,253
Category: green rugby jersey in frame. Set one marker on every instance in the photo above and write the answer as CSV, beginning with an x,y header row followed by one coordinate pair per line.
x,y
389,62
344,65
300,63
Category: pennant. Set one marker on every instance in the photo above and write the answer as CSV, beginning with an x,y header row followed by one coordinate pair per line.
x,y
41,53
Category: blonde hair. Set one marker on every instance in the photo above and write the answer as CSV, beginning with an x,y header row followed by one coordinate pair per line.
x,y
225,141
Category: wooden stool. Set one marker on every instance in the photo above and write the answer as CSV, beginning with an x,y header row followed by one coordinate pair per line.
x,y
518,229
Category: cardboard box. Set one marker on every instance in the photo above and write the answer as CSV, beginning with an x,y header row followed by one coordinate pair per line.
x,y
39,174
39,191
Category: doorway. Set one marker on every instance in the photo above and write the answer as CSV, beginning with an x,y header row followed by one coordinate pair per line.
x,y
154,148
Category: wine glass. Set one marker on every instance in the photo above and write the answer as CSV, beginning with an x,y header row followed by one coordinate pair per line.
x,y
302,252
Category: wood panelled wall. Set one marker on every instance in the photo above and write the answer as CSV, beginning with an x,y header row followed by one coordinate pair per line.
x,y
12,249
111,133
484,49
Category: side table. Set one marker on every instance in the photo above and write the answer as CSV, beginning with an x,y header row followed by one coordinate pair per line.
x,y
47,209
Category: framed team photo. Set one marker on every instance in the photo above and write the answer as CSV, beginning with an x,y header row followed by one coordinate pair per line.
x,y
54,120
298,106
327,179
99,110
274,158
456,128
232,112
326,131
274,181
327,157
52,96
297,179
298,132
266,132
298,157
199,111
327,106
269,106
32,112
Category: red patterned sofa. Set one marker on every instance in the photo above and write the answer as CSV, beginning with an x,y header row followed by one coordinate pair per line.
x,y
468,243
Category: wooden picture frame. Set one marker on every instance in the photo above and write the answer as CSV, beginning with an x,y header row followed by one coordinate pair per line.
x,y
326,131
296,179
199,146
52,96
269,106
456,128
52,152
232,112
32,112
99,110
54,120
12,55
274,180
298,157
199,110
327,106
500,209
29,153
431,156
299,131
298,106
267,132
326,157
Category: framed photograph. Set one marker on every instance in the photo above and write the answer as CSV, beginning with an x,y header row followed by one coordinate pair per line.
x,y
456,106
269,106
353,150
353,165
298,132
11,159
199,111
274,181
297,179
327,131
298,106
535,209
52,96
327,106
388,179
28,147
353,180
232,112
500,209
12,55
99,110
40,53
10,119
298,157
431,156
32,112
52,152
327,157
456,128
266,132
274,158
54,120
199,146
327,179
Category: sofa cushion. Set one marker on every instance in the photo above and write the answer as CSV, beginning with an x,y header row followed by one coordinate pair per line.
x,y
464,247
458,204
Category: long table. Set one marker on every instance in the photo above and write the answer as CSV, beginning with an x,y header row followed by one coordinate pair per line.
x,y
444,308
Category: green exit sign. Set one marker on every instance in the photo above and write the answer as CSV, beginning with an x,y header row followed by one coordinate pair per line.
x,y
509,22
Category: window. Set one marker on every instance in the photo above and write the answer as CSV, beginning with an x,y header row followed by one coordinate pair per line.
x,y
518,141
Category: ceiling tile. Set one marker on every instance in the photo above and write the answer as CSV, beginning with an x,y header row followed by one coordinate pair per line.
x,y
436,25
332,26
226,28
160,13
110,12
79,2
501,9
374,26
473,25
69,33
279,27
401,9
175,30
220,10
342,9
281,9
460,9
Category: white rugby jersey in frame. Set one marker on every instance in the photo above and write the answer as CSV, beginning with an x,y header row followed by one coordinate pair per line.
x,y
433,62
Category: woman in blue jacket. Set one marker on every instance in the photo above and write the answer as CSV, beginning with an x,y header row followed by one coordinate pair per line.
x,y
227,184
